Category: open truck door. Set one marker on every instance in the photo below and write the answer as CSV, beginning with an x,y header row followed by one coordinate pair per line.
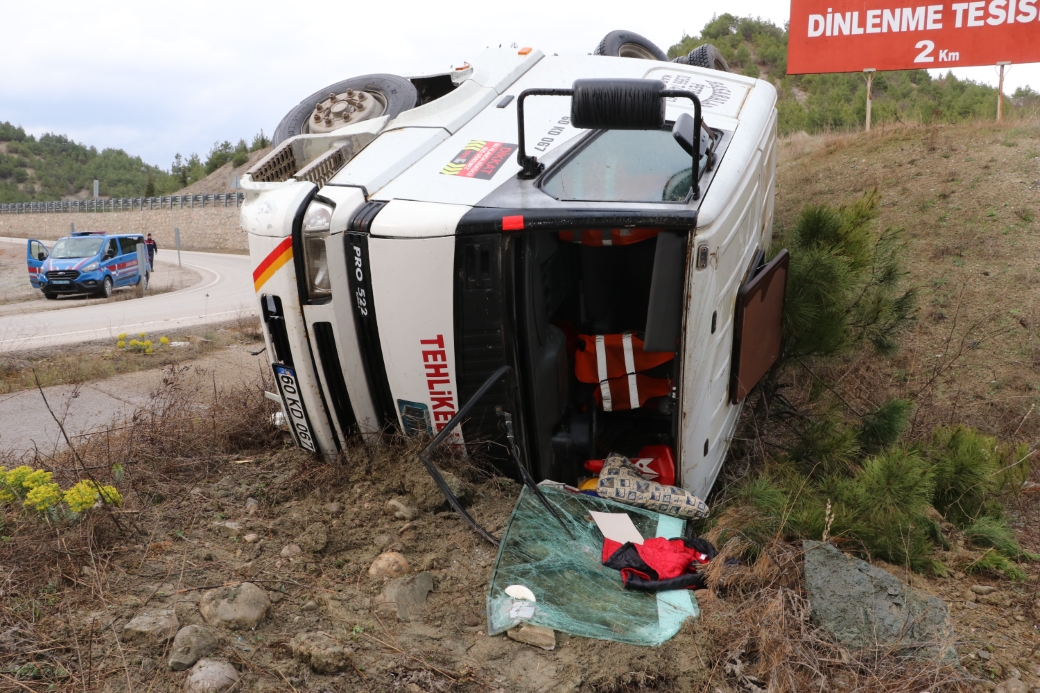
x,y
35,254
759,326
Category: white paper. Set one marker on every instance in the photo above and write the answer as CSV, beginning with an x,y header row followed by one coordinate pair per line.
x,y
617,526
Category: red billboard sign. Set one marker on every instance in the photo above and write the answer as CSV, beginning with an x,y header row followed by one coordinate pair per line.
x,y
854,35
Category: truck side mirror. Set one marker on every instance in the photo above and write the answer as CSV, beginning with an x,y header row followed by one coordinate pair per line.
x,y
695,144
617,104
41,256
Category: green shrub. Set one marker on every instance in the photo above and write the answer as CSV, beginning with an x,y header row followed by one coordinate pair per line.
x,y
883,426
965,466
843,284
994,532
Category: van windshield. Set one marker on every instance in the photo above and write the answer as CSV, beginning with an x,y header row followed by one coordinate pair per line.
x,y
77,247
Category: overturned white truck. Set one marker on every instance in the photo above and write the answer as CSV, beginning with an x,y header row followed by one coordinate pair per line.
x,y
590,230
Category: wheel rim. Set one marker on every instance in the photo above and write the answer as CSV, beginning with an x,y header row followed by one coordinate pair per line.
x,y
634,50
107,287
347,108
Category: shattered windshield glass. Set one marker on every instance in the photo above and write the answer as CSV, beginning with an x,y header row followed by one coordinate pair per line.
x,y
574,592
625,166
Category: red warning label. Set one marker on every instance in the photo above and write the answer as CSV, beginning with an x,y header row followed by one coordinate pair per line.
x,y
479,159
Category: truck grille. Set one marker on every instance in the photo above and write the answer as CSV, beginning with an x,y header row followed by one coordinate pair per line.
x,y
63,274
324,167
276,167
325,340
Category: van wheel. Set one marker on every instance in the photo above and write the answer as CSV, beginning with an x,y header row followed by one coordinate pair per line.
x,y
707,56
49,296
345,103
106,288
628,44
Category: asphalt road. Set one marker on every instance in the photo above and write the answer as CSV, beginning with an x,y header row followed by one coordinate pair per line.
x,y
225,293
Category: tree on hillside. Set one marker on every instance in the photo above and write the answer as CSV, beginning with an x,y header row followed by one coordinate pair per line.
x,y
814,103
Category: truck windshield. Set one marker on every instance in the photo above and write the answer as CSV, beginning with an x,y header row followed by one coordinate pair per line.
x,y
625,166
77,247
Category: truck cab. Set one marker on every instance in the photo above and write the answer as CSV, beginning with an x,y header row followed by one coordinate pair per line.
x,y
598,224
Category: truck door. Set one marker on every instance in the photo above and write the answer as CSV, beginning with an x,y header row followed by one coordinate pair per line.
x,y
35,253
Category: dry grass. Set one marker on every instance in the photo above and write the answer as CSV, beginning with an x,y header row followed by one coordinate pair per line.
x,y
757,621
966,197
81,363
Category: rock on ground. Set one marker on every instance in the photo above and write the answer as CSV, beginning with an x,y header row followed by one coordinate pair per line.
x,y
209,676
151,630
400,510
424,490
539,636
408,594
861,604
314,538
389,564
1012,686
320,652
191,644
236,606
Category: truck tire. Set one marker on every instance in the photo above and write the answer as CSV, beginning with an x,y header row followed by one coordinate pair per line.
x,y
106,288
707,56
399,94
628,44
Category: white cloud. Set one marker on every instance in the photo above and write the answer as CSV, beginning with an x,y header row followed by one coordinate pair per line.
x,y
157,79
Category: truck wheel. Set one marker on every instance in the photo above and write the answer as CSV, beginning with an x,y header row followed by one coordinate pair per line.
x,y
628,44
106,288
345,103
705,56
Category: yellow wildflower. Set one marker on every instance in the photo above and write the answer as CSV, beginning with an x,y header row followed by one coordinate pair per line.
x,y
142,335
11,487
148,350
36,478
43,496
122,336
121,343
111,495
82,496
164,341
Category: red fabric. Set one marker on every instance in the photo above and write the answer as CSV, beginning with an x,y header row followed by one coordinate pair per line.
x,y
610,237
669,558
585,367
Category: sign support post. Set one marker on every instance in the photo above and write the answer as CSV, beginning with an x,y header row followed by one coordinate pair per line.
x,y
870,96
177,242
1000,91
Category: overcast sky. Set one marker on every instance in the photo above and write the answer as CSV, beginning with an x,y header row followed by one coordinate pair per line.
x,y
156,79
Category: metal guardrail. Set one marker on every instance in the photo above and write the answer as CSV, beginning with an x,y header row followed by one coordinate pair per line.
x,y
124,204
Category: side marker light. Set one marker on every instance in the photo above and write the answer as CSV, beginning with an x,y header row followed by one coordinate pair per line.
x,y
515,223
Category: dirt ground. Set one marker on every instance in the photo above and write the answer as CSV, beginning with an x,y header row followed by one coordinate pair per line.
x,y
215,495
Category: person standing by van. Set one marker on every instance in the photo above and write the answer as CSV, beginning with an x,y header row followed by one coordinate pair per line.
x,y
152,250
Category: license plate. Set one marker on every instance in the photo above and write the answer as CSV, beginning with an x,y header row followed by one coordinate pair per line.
x,y
60,281
292,404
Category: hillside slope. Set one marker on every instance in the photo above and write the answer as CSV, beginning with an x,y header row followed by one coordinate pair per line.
x,y
966,199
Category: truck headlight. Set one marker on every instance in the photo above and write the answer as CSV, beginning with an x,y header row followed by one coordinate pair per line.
x,y
90,268
316,223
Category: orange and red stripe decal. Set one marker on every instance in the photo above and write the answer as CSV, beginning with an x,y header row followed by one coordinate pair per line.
x,y
272,263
